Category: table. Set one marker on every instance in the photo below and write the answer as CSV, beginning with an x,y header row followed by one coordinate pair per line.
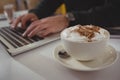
x,y
10,69
39,64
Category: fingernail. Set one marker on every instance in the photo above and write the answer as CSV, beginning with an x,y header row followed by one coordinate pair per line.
x,y
24,35
12,26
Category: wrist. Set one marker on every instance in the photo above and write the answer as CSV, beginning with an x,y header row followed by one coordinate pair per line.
x,y
70,16
66,21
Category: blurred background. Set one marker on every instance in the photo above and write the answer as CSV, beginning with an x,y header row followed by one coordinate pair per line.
x,y
26,5
19,4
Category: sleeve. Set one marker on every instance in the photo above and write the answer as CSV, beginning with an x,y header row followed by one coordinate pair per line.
x,y
46,8
106,16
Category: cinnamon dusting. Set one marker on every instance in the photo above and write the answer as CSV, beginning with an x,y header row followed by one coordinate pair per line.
x,y
87,31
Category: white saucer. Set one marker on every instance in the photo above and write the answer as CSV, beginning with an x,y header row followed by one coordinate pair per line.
x,y
101,62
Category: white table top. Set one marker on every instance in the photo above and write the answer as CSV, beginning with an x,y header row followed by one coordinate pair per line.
x,y
39,64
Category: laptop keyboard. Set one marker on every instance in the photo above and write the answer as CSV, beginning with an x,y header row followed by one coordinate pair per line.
x,y
14,42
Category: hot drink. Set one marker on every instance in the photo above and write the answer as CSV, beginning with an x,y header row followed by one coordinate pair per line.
x,y
85,42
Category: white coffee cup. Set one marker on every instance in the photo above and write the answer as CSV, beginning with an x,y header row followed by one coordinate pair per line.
x,y
83,50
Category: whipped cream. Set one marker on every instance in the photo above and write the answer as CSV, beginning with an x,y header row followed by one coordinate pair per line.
x,y
86,33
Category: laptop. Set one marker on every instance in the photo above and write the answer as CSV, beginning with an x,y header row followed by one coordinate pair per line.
x,y
16,44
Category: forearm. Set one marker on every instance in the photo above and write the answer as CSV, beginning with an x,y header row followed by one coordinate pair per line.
x,y
46,8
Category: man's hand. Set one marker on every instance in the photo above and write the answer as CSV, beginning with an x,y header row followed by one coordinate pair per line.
x,y
46,26
23,20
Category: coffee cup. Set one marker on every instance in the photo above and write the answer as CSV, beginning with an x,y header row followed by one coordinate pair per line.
x,y
85,42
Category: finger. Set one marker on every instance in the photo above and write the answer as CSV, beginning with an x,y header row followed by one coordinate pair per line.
x,y
29,29
45,33
16,21
36,30
24,21
35,22
27,19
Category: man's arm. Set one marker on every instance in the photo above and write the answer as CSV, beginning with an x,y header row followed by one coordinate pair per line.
x,y
46,8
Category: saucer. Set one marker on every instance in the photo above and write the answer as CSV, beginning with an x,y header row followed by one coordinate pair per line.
x,y
107,59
